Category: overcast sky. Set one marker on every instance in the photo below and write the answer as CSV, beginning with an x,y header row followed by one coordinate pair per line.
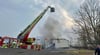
x,y
16,15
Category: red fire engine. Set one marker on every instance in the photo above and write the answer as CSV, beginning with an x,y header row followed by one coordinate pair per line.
x,y
23,36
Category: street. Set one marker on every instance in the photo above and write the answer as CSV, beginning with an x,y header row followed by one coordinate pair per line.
x,y
11,51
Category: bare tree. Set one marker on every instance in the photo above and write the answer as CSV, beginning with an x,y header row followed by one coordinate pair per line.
x,y
88,22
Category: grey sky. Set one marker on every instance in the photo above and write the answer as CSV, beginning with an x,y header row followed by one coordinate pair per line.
x,y
15,15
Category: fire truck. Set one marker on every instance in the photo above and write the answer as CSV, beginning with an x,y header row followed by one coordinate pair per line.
x,y
23,36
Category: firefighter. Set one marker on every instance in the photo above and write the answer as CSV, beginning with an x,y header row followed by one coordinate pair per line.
x,y
14,44
97,50
4,44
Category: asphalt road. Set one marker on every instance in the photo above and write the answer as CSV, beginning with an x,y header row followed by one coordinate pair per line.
x,y
11,51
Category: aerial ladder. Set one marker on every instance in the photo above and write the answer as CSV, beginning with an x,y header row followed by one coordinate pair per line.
x,y
23,36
